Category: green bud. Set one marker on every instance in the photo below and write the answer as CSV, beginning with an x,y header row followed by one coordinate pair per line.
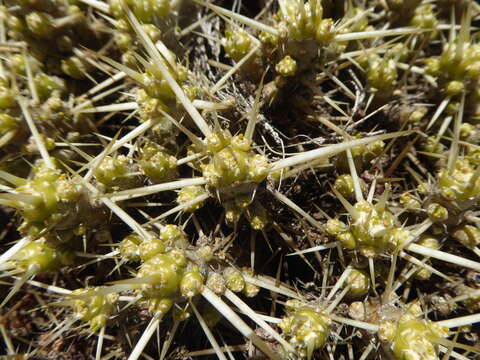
x,y
216,283
250,290
191,284
287,66
381,73
437,213
163,276
325,33
433,145
149,248
307,329
335,227
359,283
189,193
123,40
152,31
173,236
232,212
430,242
114,172
467,235
424,17
7,98
410,202
217,141
40,24
129,247
39,256
74,67
413,338
95,309
8,123
65,44
157,164
233,279
454,88
258,217
347,239
46,85
417,115
237,43
258,168
68,190
15,24
344,185
159,305
468,132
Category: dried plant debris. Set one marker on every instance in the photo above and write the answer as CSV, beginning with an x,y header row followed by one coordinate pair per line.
x,y
281,179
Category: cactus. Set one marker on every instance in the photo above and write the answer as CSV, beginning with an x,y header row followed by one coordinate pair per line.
x,y
193,178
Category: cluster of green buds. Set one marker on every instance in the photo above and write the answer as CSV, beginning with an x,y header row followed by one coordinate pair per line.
x,y
253,210
345,186
164,275
158,94
52,27
237,43
116,172
145,11
28,21
458,69
301,20
234,280
424,18
151,109
412,337
373,230
381,74
127,42
93,308
430,242
134,248
306,327
156,163
189,193
49,200
52,114
358,283
38,257
166,272
433,145
462,183
232,161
